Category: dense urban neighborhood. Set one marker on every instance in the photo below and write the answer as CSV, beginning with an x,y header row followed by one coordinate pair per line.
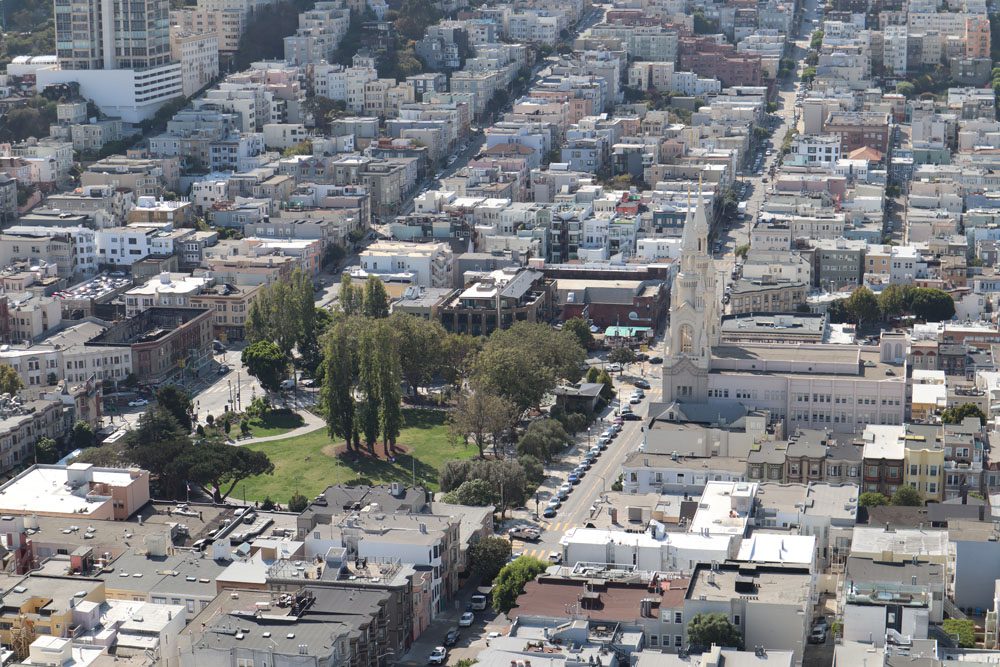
x,y
659,333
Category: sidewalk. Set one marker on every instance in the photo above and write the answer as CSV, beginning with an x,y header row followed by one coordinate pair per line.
x,y
312,423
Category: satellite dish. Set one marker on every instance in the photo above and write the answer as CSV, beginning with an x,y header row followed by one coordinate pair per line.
x,y
633,316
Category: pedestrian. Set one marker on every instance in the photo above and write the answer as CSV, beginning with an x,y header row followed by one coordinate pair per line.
x,y
200,518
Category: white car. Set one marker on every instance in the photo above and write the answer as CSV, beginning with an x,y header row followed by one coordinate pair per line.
x,y
438,656
466,620
555,557
138,403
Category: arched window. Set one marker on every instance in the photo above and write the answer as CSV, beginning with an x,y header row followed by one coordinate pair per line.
x,y
687,339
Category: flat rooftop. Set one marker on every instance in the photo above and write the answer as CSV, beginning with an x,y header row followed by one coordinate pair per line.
x,y
789,585
906,542
61,489
724,508
612,601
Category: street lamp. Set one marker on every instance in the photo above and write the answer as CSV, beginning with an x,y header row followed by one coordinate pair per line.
x,y
588,437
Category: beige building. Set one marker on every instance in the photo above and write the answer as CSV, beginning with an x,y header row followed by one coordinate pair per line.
x,y
230,305
198,54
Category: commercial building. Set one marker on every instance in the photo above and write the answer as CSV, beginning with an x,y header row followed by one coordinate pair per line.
x,y
77,490
165,343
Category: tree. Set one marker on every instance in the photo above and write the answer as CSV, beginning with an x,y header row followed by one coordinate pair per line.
x,y
905,88
932,305
219,467
46,451
266,362
324,111
177,402
743,250
376,299
481,416
872,499
82,435
543,439
713,629
488,556
524,362
963,628
263,36
506,478
351,296
297,503
907,496
511,580
579,328
472,492
622,355
863,306
340,364
420,345
957,413
10,381
894,300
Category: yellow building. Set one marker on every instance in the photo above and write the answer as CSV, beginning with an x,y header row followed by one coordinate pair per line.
x,y
47,603
923,461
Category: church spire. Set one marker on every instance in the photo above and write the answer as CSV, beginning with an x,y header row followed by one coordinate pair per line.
x,y
694,240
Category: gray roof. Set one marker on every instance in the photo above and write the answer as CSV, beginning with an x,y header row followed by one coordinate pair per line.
x,y
869,571
703,413
182,574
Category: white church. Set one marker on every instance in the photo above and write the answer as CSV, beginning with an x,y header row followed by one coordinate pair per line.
x,y
842,387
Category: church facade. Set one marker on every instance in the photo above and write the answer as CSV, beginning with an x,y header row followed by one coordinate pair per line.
x,y
821,385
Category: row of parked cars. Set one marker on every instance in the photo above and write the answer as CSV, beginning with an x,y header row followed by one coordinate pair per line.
x,y
609,434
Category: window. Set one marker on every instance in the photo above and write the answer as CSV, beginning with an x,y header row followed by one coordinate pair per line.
x,y
736,620
914,470
654,640
678,617
678,641
687,339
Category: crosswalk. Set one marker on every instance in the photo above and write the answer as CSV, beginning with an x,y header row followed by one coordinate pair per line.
x,y
541,554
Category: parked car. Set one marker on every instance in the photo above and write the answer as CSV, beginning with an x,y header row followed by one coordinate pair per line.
x,y
555,558
573,478
642,384
565,488
633,399
555,502
438,656
466,620
615,368
632,417
223,369
138,403
817,636
288,384
656,360
527,533
479,601
549,512
451,638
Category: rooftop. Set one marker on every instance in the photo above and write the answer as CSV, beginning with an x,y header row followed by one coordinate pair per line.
x,y
598,600
769,584
869,541
79,489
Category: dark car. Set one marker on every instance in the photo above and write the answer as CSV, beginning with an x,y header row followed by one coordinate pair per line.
x,y
549,512
656,360
451,638
631,417
642,384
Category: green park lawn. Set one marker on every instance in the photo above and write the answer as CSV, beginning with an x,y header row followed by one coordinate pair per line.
x,y
307,464
276,423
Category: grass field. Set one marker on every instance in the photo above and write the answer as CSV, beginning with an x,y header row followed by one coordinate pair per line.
x,y
276,423
307,464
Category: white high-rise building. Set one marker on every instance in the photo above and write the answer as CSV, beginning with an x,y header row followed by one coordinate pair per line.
x,y
118,51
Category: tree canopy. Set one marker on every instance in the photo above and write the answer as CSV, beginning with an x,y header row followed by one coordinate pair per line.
x,y
957,413
481,417
265,361
579,328
488,556
177,402
708,629
10,381
524,362
907,496
510,581
872,499
543,439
